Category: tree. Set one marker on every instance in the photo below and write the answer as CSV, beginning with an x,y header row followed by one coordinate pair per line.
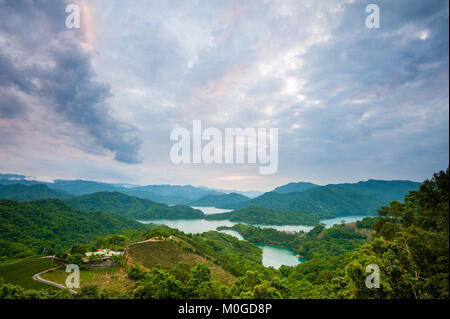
x,y
420,226
263,291
137,273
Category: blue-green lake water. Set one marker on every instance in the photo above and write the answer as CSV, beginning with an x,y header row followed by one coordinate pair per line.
x,y
276,256
272,255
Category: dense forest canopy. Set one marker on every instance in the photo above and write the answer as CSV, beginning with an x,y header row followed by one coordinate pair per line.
x,y
27,228
133,207
254,214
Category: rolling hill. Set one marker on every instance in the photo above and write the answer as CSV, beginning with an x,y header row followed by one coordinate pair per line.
x,y
295,187
254,214
26,193
168,194
133,207
362,198
81,187
26,228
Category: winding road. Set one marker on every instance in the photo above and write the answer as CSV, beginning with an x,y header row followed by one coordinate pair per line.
x,y
38,277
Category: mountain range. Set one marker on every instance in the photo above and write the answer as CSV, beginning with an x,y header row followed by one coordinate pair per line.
x,y
361,198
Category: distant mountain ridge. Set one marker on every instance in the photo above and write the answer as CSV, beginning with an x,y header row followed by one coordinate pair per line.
x,y
220,201
133,207
25,193
167,194
361,198
163,193
295,187
110,202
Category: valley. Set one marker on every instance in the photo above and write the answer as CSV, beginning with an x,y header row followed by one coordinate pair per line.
x,y
182,251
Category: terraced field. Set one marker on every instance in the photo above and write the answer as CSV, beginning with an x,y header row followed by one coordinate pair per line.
x,y
165,253
21,272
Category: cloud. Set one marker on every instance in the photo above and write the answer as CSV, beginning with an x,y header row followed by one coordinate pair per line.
x,y
350,102
43,60
11,105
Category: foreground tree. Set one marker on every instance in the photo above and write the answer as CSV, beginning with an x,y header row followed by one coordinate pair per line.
x,y
411,248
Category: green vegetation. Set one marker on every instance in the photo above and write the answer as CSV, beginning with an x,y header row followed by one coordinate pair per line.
x,y
21,272
133,207
254,214
295,187
408,241
367,222
267,236
167,253
27,228
410,246
319,242
182,281
26,193
233,255
81,187
362,198
114,280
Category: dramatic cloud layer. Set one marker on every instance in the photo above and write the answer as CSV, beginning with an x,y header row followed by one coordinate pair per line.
x,y
44,63
350,102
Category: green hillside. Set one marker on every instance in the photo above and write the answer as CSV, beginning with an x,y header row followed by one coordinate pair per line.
x,y
21,272
233,255
255,214
386,191
133,207
317,243
337,199
81,187
27,193
28,228
167,253
295,187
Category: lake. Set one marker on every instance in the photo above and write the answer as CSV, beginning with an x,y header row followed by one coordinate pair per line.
x,y
191,225
212,210
201,225
272,255
348,219
276,256
232,233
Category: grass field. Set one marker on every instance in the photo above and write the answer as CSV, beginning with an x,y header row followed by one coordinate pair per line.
x,y
113,279
150,254
21,272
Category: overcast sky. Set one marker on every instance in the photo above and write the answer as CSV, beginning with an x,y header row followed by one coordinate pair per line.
x,y
99,102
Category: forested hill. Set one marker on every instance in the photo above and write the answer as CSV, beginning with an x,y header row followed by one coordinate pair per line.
x,y
220,201
26,193
169,194
133,207
295,187
26,228
337,199
254,214
410,247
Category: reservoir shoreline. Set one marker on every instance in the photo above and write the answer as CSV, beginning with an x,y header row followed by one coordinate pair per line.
x,y
273,255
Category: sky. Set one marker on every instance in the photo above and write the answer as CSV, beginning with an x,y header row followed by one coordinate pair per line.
x,y
99,102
